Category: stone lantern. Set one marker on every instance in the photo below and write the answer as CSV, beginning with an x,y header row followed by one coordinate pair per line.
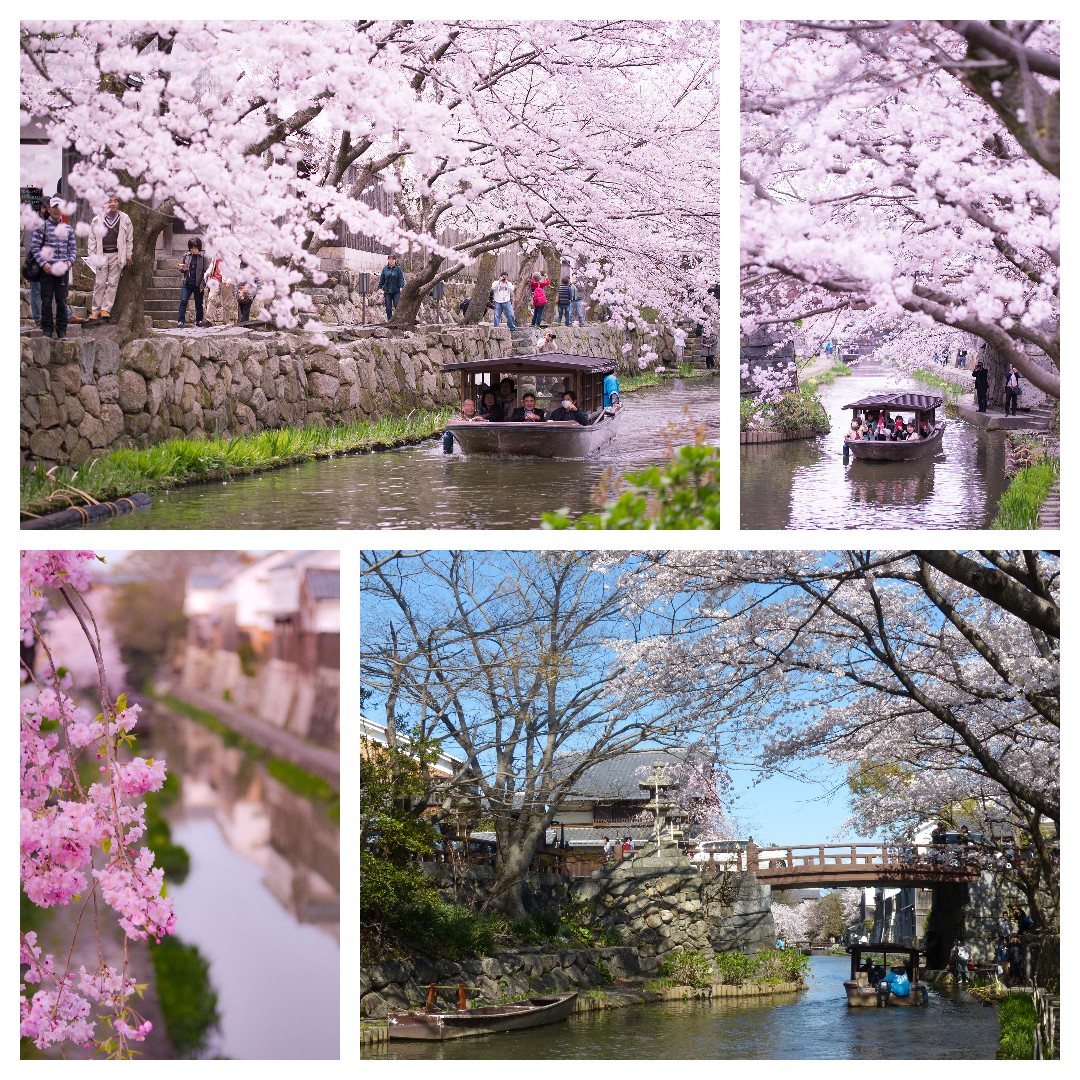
x,y
665,814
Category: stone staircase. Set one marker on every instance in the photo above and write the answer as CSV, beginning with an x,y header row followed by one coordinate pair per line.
x,y
163,296
1039,418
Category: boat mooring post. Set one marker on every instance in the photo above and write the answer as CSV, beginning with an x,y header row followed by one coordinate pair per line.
x,y
448,442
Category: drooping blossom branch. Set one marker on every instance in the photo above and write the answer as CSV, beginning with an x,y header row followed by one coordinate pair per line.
x,y
79,843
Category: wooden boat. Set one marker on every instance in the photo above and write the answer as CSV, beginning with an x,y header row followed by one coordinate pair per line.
x,y
546,375
923,406
862,988
483,1020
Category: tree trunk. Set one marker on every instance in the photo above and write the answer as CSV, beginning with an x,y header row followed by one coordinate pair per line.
x,y
516,847
998,370
138,276
417,286
523,288
478,298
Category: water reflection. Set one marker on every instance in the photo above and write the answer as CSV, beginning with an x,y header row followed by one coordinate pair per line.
x,y
420,487
806,485
817,1023
261,901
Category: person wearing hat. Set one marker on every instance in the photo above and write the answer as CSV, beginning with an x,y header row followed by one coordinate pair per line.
x,y
539,298
896,982
502,292
982,383
53,248
110,251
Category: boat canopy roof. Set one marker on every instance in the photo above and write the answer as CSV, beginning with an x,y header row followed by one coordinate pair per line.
x,y
542,364
883,947
920,402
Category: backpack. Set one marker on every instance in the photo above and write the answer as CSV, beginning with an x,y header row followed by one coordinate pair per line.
x,y
31,268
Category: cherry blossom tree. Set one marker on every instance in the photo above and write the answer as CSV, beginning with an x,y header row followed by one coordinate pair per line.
x,y
80,842
508,660
596,140
942,667
910,168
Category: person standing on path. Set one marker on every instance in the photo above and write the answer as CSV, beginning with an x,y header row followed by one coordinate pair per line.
x,y
577,305
192,275
708,348
502,293
539,298
110,251
53,247
680,344
1012,390
391,281
982,384
565,298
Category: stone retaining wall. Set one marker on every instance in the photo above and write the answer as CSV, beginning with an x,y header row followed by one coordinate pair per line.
x,y
88,395
664,904
403,985
753,437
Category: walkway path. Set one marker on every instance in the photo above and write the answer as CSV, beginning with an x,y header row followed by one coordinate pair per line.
x,y
319,760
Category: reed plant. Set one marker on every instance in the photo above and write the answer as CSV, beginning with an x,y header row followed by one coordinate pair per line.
x,y
185,461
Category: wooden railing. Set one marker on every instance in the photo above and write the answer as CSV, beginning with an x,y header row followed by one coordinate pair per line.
x,y
1048,1006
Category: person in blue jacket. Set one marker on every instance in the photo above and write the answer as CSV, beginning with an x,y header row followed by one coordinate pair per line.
x,y
896,982
611,386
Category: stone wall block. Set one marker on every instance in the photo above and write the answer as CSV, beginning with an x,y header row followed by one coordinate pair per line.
x,y
50,414
132,393
112,418
66,377
35,380
106,357
109,389
191,372
145,357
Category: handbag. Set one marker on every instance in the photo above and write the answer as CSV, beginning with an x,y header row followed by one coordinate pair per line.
x,y
31,268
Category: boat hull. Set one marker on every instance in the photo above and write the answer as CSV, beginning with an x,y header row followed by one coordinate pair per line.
x,y
867,997
552,439
485,1020
901,450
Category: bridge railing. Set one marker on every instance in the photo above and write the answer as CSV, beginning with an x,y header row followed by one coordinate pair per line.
x,y
822,856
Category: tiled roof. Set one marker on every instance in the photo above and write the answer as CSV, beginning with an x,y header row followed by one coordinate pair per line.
x,y
618,777
324,584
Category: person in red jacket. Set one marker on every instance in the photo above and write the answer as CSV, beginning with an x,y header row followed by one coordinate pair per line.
x,y
539,298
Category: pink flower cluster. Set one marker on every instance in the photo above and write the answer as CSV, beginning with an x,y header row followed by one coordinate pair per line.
x,y
61,1010
39,569
65,826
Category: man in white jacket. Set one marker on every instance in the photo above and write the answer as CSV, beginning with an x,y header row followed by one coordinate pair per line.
x,y
110,252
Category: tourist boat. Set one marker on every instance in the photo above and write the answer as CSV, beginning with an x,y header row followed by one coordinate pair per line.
x,y
548,376
483,1020
860,989
923,406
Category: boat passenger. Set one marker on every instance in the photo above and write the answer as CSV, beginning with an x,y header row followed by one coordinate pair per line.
x,y
924,431
896,982
852,434
569,410
898,428
882,431
489,407
507,397
467,414
528,413
615,405
909,430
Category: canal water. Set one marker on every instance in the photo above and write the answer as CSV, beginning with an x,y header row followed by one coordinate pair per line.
x,y
419,487
816,1023
806,485
257,901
